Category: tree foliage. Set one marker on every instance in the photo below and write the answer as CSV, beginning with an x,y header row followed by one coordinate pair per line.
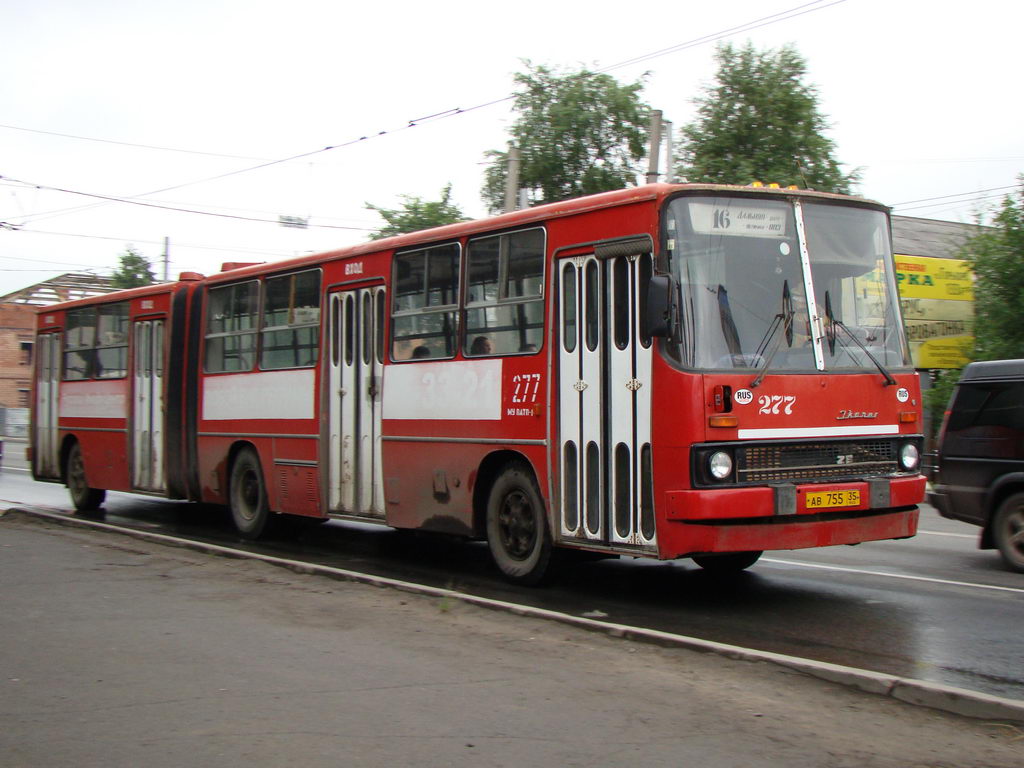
x,y
578,133
997,257
760,122
133,270
416,214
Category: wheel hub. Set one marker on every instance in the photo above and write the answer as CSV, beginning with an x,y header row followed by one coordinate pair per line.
x,y
517,526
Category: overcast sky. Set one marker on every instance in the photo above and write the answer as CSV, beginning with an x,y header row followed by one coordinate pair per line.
x,y
923,95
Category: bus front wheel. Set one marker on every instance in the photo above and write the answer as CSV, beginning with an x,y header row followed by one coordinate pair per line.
x,y
84,498
517,531
250,509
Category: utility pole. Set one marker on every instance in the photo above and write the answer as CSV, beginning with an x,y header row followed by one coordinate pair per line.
x,y
167,259
652,159
512,179
670,160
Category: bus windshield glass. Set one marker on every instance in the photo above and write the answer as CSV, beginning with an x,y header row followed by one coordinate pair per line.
x,y
750,300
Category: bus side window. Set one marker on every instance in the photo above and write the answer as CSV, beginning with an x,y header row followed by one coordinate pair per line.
x,y
426,296
112,341
96,342
231,320
504,294
79,343
290,321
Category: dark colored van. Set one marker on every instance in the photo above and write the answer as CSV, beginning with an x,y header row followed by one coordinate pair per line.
x,y
979,475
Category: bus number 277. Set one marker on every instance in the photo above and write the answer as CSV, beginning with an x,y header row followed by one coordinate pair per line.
x,y
526,385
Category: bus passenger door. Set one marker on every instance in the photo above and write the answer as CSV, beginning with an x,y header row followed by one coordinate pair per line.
x,y
148,410
605,405
46,455
354,397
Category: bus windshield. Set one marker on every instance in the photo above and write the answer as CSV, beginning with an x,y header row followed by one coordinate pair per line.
x,y
782,285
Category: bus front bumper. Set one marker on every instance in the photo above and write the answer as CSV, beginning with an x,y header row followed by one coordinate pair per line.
x,y
790,516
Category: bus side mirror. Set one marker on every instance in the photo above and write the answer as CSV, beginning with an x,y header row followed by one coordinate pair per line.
x,y
660,306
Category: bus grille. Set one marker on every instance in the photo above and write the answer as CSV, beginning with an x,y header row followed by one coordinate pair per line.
x,y
816,461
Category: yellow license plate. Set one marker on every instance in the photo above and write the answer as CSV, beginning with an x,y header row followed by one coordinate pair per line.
x,y
829,499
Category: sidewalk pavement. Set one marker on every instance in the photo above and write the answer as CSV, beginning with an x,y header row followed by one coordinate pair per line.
x,y
124,652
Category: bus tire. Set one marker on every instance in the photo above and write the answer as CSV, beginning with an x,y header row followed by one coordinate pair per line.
x,y
84,498
517,529
1008,531
733,562
250,508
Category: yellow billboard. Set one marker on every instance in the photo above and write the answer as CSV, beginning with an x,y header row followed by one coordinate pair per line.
x,y
937,297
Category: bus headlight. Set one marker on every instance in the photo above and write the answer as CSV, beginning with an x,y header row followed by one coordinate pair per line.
x,y
910,457
720,465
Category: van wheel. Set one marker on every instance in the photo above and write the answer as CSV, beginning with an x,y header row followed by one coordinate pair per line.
x,y
517,529
733,562
1008,531
84,498
250,509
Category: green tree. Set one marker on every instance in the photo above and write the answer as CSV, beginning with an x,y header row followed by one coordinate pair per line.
x,y
134,270
577,133
997,258
760,122
996,254
416,214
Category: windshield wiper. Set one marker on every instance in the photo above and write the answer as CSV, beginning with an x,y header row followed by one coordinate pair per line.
x,y
784,318
832,336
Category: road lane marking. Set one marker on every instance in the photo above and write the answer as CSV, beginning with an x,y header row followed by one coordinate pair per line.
x,y
947,582
947,533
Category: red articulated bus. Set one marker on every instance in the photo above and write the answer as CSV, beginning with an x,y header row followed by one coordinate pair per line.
x,y
666,371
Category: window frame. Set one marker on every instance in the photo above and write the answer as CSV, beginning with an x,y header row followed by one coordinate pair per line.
x,y
504,299
124,320
259,328
90,351
253,331
424,308
292,326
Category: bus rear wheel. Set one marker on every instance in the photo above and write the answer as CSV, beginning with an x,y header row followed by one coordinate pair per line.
x,y
250,509
84,498
733,562
517,529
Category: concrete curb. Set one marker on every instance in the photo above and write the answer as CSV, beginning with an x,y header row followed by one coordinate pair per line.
x,y
918,692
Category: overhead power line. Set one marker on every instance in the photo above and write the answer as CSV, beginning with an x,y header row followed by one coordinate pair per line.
x,y
959,194
127,201
146,241
764,21
791,13
129,144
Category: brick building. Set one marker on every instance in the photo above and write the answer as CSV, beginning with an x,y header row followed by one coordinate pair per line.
x,y
16,323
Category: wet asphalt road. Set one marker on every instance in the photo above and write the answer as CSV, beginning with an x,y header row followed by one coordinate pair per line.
x,y
932,608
